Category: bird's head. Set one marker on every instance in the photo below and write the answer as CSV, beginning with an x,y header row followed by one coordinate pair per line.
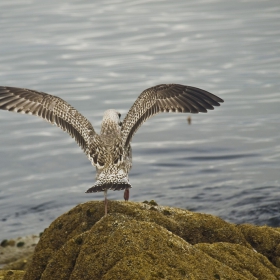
x,y
112,116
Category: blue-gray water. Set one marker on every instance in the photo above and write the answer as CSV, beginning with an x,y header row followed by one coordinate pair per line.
x,y
102,54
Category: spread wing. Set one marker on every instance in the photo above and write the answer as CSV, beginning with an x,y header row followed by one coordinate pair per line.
x,y
166,98
54,110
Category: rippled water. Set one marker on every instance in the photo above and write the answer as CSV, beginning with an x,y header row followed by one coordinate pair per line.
x,y
103,54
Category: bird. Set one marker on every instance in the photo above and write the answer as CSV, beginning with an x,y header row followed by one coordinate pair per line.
x,y
110,150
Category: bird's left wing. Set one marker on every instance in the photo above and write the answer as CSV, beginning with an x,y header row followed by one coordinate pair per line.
x,y
54,110
166,98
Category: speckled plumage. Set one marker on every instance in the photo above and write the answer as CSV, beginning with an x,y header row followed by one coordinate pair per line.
x,y
109,151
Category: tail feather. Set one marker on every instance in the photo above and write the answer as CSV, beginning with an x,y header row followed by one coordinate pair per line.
x,y
115,186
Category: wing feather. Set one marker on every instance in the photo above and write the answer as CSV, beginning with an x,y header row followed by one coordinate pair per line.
x,y
52,109
166,98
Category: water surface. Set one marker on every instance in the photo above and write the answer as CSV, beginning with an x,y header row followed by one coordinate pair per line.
x,y
102,55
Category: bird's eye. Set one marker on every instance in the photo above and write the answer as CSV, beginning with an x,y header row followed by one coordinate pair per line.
x,y
119,115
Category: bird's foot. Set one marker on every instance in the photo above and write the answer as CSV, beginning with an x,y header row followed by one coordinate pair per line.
x,y
126,194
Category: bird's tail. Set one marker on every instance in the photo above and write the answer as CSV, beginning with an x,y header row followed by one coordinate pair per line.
x,y
118,185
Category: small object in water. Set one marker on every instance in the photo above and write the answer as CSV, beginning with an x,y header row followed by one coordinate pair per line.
x,y
189,119
110,151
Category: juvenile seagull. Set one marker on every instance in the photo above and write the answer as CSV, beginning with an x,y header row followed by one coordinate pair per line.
x,y
109,151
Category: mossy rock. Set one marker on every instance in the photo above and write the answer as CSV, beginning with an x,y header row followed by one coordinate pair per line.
x,y
142,241
265,240
248,263
16,253
19,264
11,274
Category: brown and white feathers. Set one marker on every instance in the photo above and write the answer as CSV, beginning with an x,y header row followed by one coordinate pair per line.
x,y
109,151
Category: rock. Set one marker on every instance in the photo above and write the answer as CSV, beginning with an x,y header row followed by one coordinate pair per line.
x,y
11,275
19,264
265,240
17,251
147,241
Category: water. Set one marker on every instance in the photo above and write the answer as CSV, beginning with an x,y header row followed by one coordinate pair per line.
x,y
103,54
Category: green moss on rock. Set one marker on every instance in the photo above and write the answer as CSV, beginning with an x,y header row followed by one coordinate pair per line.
x,y
11,274
246,262
133,242
265,240
19,264
16,254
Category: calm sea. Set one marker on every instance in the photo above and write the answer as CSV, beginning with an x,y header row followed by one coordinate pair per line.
x,y
99,55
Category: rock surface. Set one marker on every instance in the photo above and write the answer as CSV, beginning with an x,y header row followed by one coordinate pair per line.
x,y
11,274
146,241
15,253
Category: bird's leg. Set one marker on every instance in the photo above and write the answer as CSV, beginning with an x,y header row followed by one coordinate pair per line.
x,y
126,194
105,201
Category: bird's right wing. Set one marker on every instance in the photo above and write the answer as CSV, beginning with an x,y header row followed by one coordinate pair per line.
x,y
54,110
166,98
